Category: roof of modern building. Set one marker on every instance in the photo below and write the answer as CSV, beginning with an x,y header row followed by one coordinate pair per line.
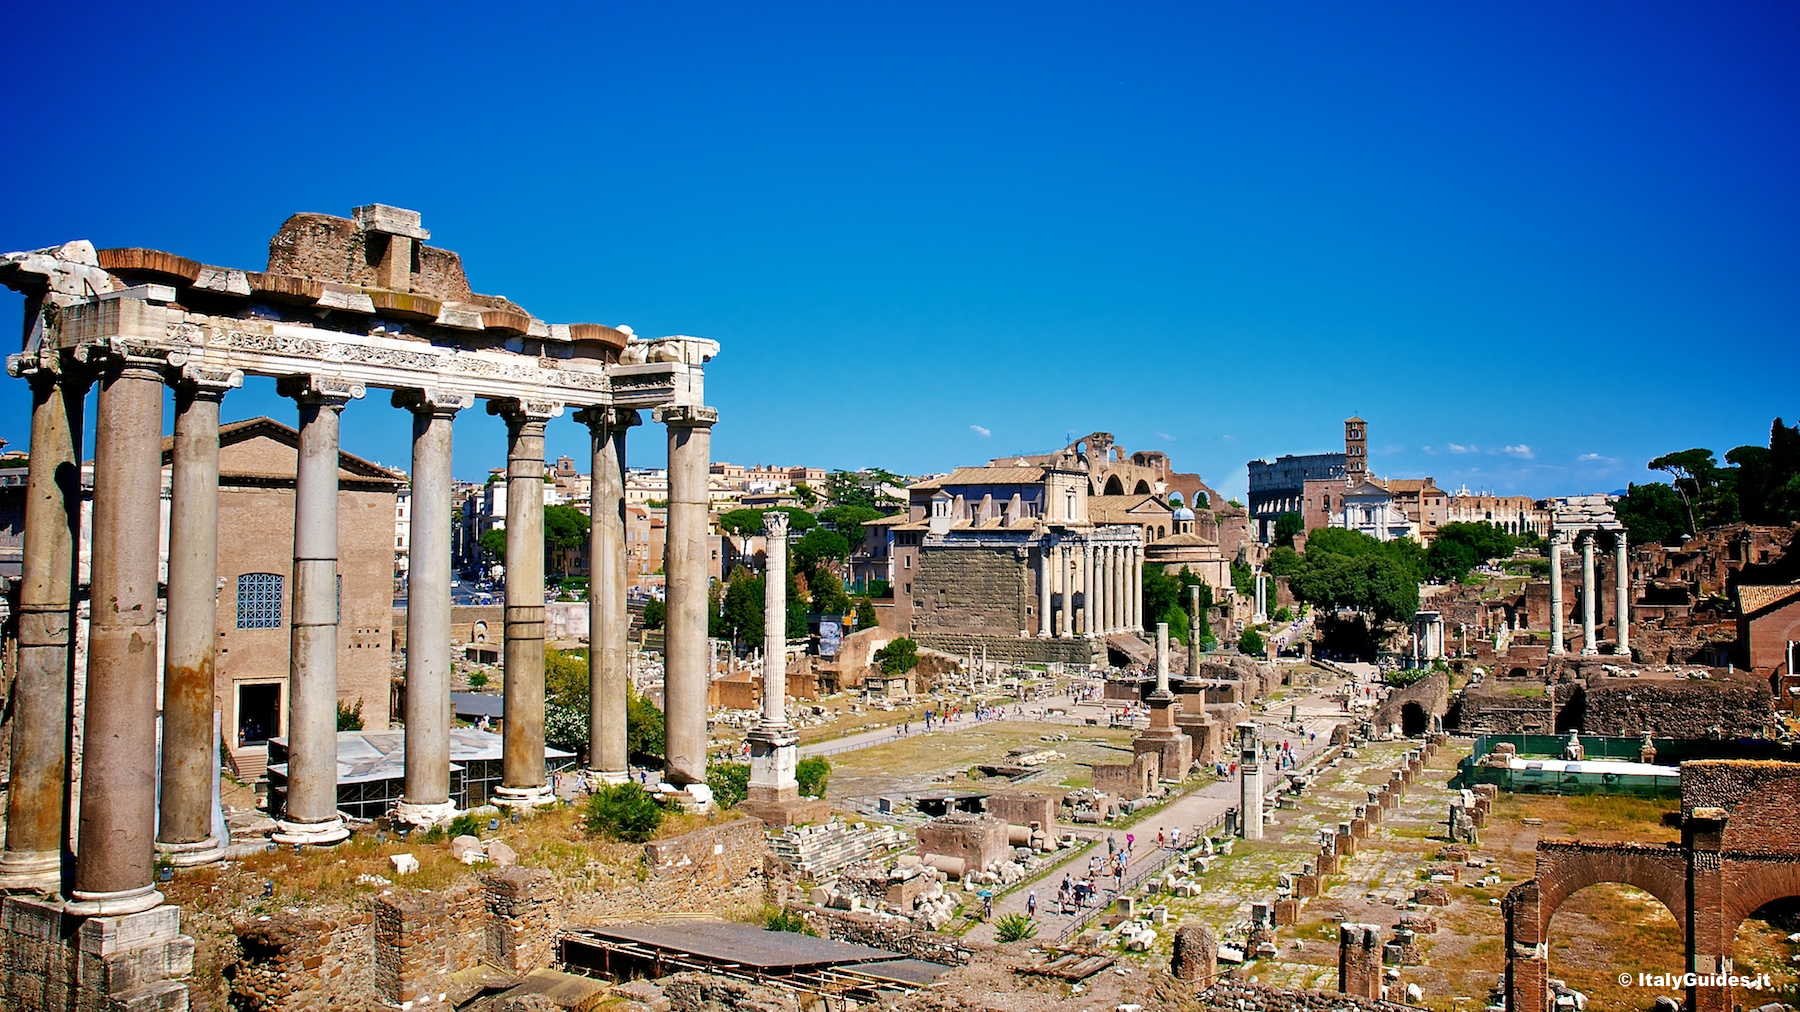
x,y
1027,475
1755,598
381,755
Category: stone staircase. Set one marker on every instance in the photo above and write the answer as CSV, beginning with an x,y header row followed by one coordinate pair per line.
x,y
820,851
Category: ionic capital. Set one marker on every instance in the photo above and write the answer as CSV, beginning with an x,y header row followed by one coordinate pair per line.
x,y
600,419
775,524
120,356
524,413
432,402
325,391
687,416
205,382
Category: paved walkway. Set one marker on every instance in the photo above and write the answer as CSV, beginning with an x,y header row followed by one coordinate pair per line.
x,y
1033,710
1197,807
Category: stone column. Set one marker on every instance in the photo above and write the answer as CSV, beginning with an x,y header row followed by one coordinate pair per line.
x,y
1250,788
113,873
1196,626
1119,571
1556,593
1137,586
425,798
311,815
1622,607
685,671
775,533
1096,591
1044,564
1588,646
522,780
190,755
37,803
1065,585
609,674
1086,569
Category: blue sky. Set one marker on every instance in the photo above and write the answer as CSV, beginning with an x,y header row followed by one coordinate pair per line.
x,y
1533,244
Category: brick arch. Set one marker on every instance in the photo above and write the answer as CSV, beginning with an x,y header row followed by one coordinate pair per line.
x,y
1565,867
1751,884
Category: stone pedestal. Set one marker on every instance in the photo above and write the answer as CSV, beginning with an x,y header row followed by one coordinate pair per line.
x,y
1173,749
55,960
1359,960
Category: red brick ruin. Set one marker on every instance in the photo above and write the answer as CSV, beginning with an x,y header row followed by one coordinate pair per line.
x,y
1739,850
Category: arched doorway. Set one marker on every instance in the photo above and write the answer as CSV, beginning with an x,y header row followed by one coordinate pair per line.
x,y
1760,945
1606,931
1413,720
1114,486
1142,488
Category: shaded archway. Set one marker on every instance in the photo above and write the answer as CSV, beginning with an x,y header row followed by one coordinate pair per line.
x,y
1413,721
1141,488
1114,486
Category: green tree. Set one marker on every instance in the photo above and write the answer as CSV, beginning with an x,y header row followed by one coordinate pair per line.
x,y
478,679
813,773
730,782
565,532
846,488
749,522
655,612
645,732
849,520
1251,643
1695,473
1460,547
805,493
1243,578
493,544
779,919
818,546
828,597
350,717
1288,526
899,656
741,613
865,614
1282,561
624,812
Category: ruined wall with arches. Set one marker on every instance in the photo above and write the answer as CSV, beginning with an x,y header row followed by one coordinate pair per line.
x,y
1739,851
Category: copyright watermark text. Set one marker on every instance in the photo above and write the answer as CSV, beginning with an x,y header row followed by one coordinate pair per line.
x,y
1759,982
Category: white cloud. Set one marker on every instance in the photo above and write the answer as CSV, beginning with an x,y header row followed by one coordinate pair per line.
x,y
1519,450
1597,458
1430,451
1165,437
981,430
1462,448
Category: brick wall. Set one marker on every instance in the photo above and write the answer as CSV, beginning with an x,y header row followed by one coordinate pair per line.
x,y
890,933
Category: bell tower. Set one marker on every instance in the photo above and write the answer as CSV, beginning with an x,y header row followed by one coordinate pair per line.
x,y
1356,451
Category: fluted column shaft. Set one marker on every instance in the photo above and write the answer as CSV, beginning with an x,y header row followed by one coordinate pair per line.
x,y
425,796
686,653
1622,608
1117,603
311,815
37,801
1043,589
190,756
1556,593
522,780
609,679
113,873
1196,625
775,532
1085,563
1137,587
1588,646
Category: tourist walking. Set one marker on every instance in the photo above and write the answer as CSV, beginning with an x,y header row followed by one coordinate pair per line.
x,y
1031,904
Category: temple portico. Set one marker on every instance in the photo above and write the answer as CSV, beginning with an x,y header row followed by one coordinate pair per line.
x,y
327,325
1587,519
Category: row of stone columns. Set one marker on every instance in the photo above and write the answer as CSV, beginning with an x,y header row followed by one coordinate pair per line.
x,y
123,820
1622,605
1109,578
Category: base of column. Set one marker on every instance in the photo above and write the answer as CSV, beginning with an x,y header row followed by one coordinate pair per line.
x,y
113,904
35,870
424,816
597,779
1589,650
189,855
311,834
523,797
